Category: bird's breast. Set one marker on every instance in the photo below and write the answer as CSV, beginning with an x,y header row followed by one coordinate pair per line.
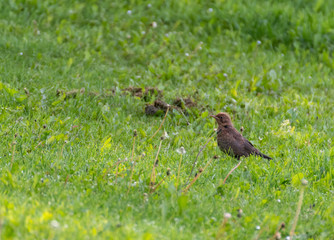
x,y
223,139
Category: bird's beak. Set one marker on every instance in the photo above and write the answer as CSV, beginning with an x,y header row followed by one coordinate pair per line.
x,y
213,116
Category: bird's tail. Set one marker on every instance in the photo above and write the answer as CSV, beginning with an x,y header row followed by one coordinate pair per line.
x,y
265,156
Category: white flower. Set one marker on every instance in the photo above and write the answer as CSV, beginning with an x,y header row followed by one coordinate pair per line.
x,y
54,224
187,54
279,200
258,227
258,42
105,108
154,24
285,123
129,12
149,5
181,150
278,235
165,135
225,75
21,53
143,32
304,182
210,10
227,215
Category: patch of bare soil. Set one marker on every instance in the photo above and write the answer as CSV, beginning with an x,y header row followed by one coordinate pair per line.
x,y
75,92
179,104
145,93
151,109
184,102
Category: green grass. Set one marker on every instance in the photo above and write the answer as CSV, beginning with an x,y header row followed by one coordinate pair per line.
x,y
264,62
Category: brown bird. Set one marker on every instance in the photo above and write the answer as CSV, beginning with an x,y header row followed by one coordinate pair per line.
x,y
230,141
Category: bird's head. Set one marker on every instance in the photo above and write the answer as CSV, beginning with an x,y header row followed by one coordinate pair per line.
x,y
222,119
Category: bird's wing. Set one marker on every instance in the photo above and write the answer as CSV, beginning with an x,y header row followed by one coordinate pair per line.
x,y
236,135
242,147
249,142
237,143
250,147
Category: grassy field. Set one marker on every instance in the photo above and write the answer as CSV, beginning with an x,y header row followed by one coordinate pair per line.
x,y
68,168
